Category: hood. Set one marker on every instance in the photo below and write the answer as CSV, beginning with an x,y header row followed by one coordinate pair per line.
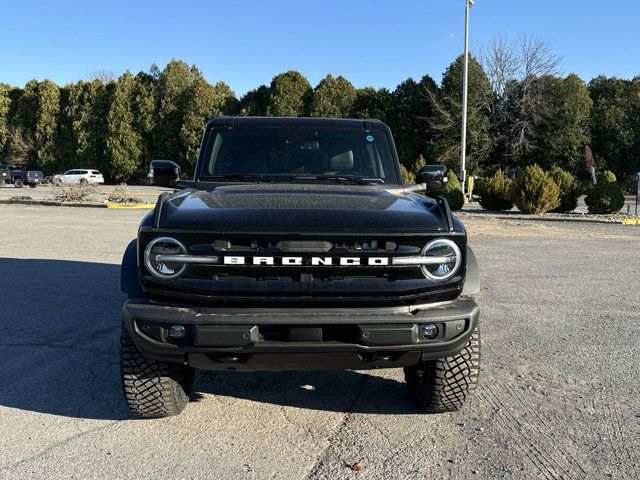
x,y
301,208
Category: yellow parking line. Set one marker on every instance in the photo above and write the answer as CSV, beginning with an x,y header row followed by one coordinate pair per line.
x,y
124,206
147,194
631,221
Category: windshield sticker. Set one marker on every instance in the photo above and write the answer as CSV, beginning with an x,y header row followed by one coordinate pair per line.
x,y
369,138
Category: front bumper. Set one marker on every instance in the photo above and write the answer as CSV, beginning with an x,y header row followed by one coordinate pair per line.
x,y
299,339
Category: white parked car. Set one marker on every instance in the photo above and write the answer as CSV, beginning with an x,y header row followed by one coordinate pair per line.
x,y
83,177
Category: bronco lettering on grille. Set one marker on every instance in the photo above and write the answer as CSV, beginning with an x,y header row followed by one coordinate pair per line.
x,y
307,261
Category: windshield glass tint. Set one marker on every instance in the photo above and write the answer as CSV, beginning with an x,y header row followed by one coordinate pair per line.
x,y
299,151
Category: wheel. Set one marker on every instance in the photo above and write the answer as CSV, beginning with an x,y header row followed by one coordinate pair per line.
x,y
18,183
152,389
33,185
444,385
83,182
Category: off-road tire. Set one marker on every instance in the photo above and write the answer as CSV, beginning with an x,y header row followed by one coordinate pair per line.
x,y
444,385
152,389
17,183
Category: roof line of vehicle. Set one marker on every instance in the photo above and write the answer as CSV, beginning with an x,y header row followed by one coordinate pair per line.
x,y
226,120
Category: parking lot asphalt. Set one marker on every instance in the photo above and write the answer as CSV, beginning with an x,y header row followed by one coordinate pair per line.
x,y
558,394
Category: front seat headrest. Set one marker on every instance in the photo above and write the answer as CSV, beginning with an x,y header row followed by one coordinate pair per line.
x,y
342,161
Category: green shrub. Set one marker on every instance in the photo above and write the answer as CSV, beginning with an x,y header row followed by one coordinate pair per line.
x,y
569,189
605,197
408,177
534,191
453,192
608,177
495,192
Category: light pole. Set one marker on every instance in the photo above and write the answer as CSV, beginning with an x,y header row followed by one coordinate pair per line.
x,y
465,87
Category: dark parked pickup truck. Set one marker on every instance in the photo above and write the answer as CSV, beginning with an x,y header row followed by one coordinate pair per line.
x,y
295,247
5,175
14,174
20,178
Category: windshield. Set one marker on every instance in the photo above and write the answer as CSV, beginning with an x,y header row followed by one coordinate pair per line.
x,y
286,153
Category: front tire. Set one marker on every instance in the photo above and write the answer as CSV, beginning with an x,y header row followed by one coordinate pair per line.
x,y
153,389
444,385
18,183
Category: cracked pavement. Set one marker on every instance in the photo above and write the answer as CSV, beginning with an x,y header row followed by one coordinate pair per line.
x,y
558,393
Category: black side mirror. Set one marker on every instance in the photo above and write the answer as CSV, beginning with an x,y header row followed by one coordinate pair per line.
x,y
163,173
434,177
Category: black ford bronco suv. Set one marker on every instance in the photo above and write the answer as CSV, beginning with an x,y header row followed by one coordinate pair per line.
x,y
297,247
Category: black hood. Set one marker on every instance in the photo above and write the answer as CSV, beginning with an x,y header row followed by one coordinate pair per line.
x,y
301,208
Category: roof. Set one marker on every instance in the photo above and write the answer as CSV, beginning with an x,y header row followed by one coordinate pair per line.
x,y
300,121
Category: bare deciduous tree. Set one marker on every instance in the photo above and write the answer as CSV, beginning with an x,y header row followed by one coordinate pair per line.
x,y
103,75
513,68
537,58
500,62
506,61
21,144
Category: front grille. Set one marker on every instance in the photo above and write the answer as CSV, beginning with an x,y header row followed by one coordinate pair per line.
x,y
306,283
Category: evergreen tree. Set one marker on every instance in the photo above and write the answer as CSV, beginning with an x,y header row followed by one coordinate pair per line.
x,y
409,118
447,116
333,97
615,123
255,102
37,114
572,122
204,102
5,103
85,116
144,106
289,95
372,103
559,123
175,85
123,141
186,101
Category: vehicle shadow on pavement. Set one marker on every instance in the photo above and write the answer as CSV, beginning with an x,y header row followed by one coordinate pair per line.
x,y
335,391
60,324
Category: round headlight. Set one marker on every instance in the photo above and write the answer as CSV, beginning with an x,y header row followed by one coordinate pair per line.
x,y
157,258
450,256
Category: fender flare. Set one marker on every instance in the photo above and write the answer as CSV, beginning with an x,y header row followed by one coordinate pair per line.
x,y
129,282
472,278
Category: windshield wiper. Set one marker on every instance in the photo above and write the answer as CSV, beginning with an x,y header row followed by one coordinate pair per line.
x,y
243,177
340,179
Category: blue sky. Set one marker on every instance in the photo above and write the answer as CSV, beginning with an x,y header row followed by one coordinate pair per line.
x,y
246,42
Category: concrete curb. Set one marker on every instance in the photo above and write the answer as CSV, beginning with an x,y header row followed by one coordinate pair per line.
x,y
53,203
543,218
